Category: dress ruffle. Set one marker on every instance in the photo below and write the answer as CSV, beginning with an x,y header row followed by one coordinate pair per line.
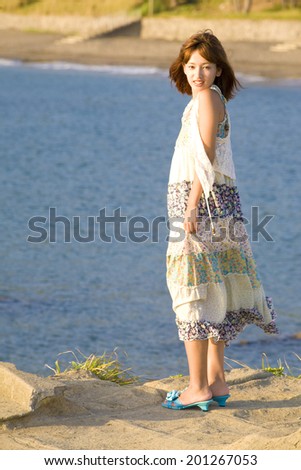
x,y
227,330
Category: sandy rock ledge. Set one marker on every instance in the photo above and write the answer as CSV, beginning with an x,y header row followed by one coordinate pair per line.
x,y
79,411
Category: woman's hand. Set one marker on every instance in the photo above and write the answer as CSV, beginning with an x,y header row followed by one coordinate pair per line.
x,y
190,220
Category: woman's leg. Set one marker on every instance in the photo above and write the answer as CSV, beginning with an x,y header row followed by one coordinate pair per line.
x,y
198,389
215,364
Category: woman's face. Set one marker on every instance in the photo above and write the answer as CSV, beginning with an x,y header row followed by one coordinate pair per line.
x,y
200,73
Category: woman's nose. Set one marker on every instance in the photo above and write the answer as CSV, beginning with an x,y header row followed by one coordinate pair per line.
x,y
200,72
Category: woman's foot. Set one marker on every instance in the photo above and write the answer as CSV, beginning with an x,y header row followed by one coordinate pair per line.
x,y
195,395
219,388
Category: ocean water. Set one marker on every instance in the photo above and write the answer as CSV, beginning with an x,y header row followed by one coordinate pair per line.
x,y
76,140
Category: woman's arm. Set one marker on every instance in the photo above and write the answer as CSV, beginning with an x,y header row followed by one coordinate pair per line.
x,y
211,111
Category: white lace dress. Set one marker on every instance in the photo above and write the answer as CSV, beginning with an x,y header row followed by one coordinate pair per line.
x,y
211,275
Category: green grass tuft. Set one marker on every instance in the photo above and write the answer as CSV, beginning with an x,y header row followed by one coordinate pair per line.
x,y
278,371
105,367
177,376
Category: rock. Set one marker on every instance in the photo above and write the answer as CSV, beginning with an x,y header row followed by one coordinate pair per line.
x,y
22,393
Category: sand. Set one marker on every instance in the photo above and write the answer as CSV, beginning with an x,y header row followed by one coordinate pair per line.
x,y
272,60
81,412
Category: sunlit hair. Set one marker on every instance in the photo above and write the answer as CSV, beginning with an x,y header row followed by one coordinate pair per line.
x,y
212,50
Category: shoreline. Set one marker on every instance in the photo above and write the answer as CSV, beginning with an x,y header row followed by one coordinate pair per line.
x,y
268,60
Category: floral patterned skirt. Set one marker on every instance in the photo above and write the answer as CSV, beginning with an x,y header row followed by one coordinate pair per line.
x,y
212,276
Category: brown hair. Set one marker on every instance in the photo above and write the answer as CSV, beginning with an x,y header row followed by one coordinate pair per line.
x,y
212,50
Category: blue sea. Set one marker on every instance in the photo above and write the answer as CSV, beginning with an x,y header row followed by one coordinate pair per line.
x,y
81,143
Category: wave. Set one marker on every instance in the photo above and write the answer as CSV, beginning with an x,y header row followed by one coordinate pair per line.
x,y
260,80
108,69
104,69
243,77
10,63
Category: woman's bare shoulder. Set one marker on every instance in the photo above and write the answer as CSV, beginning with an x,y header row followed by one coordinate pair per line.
x,y
209,100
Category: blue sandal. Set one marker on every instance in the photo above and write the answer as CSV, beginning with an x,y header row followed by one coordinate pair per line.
x,y
221,400
173,403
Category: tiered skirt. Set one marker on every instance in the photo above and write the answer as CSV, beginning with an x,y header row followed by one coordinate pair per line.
x,y
211,274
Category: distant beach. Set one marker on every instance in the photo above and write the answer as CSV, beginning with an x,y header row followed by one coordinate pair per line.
x,y
267,59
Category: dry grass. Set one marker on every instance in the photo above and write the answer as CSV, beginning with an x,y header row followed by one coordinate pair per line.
x,y
283,368
105,367
108,367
